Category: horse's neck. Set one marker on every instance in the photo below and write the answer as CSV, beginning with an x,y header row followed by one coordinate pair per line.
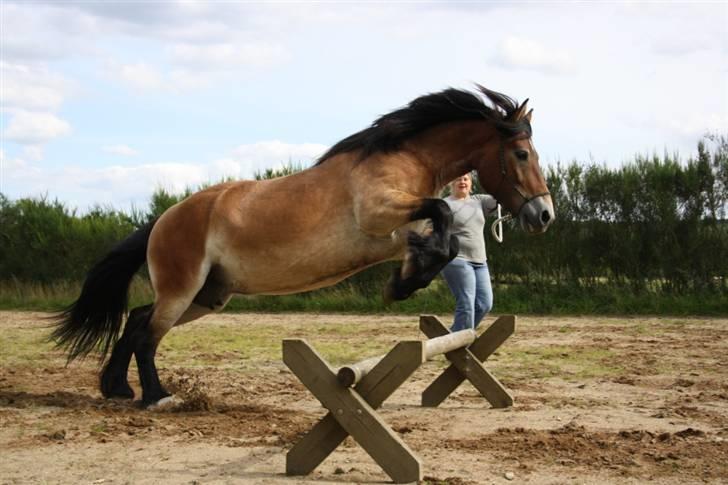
x,y
452,150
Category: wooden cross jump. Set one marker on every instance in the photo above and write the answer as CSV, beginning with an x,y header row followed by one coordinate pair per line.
x,y
352,410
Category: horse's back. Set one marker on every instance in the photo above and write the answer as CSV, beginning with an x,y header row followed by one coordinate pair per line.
x,y
283,211
283,235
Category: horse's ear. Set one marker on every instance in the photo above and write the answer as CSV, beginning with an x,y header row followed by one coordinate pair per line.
x,y
529,115
518,114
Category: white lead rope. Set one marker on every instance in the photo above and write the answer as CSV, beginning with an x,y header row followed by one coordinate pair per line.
x,y
497,228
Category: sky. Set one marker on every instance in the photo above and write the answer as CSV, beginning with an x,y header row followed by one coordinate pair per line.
x,y
102,102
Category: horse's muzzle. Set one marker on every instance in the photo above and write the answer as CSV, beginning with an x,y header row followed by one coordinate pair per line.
x,y
537,214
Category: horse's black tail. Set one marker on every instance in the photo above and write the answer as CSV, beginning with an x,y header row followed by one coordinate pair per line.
x,y
94,320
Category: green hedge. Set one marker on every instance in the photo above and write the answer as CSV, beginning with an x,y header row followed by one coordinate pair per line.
x,y
650,232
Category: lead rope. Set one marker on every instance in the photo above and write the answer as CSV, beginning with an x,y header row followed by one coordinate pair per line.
x,y
496,229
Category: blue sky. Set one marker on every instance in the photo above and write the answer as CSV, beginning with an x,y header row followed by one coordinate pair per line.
x,y
104,101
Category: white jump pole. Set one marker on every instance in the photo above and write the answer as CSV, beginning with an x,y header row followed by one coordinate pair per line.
x,y
351,374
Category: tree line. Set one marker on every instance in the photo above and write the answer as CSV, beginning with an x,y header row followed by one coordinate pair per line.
x,y
653,224
656,224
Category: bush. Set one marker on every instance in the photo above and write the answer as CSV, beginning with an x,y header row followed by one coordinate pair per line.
x,y
654,230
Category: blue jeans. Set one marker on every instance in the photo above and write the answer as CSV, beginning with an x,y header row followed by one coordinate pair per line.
x,y
470,285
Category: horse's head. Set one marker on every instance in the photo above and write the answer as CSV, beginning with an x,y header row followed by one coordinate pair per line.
x,y
511,173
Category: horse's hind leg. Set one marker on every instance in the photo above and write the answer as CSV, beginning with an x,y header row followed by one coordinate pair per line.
x,y
114,382
178,301
145,340
171,309
141,340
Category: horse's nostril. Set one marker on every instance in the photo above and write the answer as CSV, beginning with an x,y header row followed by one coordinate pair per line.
x,y
545,217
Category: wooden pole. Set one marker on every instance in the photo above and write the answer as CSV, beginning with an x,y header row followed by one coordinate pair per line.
x,y
447,343
351,374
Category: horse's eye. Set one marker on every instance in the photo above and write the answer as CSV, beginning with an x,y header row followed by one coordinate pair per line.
x,y
522,155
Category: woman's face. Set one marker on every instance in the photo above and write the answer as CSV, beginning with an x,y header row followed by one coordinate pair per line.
x,y
460,187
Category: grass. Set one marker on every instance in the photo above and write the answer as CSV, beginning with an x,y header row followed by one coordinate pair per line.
x,y
52,297
236,347
28,346
346,298
226,344
245,347
562,361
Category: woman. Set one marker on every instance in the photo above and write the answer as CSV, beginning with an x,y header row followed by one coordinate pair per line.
x,y
467,275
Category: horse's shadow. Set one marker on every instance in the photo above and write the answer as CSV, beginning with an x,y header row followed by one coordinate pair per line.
x,y
80,401
60,399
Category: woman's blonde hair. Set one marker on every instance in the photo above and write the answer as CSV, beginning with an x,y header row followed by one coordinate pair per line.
x,y
447,189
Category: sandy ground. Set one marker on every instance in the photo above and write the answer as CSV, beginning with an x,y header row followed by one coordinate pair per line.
x,y
597,400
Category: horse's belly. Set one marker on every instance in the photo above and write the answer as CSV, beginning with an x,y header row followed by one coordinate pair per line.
x,y
308,265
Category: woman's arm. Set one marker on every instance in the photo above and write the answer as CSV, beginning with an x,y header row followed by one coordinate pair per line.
x,y
488,202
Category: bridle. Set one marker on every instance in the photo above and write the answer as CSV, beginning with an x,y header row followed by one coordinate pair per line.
x,y
497,227
513,184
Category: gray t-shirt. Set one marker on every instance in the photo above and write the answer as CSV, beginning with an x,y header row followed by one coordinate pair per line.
x,y
468,222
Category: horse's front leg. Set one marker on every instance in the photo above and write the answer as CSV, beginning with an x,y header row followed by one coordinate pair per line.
x,y
426,254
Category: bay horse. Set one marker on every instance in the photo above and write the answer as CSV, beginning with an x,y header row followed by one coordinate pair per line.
x,y
364,202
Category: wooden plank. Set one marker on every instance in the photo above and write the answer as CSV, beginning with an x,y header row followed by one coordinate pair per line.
x,y
432,326
387,376
489,341
352,413
315,446
474,371
391,372
493,337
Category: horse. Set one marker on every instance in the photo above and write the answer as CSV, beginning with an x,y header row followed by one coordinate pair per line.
x,y
372,197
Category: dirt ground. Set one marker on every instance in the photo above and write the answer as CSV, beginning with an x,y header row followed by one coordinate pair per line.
x,y
597,400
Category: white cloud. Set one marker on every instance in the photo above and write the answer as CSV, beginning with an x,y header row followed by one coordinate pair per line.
x,y
521,53
694,126
31,88
199,31
183,79
29,34
122,150
16,171
123,185
227,55
679,45
29,95
144,78
31,128
140,76
274,154
33,152
84,187
329,61
128,181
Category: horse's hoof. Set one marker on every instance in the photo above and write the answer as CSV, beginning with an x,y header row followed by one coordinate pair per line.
x,y
164,404
390,295
118,392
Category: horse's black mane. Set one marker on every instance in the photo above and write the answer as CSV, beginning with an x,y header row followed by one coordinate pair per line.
x,y
390,130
